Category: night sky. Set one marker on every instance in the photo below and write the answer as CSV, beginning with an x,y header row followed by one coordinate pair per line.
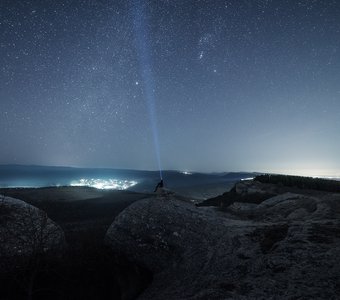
x,y
193,85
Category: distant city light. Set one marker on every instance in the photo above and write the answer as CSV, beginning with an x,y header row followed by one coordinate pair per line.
x,y
186,173
105,184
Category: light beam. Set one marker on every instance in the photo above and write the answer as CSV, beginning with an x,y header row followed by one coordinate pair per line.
x,y
144,57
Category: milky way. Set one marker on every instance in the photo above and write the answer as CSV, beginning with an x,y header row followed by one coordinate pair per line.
x,y
236,85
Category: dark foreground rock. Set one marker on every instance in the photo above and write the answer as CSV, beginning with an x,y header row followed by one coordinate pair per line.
x,y
26,231
64,258
27,239
286,247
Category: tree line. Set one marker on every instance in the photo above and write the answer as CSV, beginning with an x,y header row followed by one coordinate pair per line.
x,y
320,184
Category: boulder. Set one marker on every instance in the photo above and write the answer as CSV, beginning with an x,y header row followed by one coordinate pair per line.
x,y
197,253
245,187
26,232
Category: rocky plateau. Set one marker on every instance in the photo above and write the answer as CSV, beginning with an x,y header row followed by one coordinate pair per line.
x,y
284,247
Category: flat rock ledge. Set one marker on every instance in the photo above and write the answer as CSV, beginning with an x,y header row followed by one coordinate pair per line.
x,y
289,248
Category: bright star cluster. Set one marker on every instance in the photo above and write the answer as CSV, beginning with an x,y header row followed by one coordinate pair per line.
x,y
237,85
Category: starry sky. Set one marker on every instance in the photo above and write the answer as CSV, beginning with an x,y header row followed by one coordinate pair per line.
x,y
200,85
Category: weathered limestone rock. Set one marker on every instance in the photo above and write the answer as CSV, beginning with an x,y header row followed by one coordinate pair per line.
x,y
251,187
289,250
26,231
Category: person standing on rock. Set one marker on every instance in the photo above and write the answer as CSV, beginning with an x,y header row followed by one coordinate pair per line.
x,y
159,187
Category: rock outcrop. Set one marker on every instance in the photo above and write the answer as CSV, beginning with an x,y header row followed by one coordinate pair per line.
x,y
252,187
287,247
25,232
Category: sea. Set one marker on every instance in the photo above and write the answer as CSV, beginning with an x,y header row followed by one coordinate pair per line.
x,y
190,184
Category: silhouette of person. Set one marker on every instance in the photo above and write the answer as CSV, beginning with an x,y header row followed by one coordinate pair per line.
x,y
160,185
